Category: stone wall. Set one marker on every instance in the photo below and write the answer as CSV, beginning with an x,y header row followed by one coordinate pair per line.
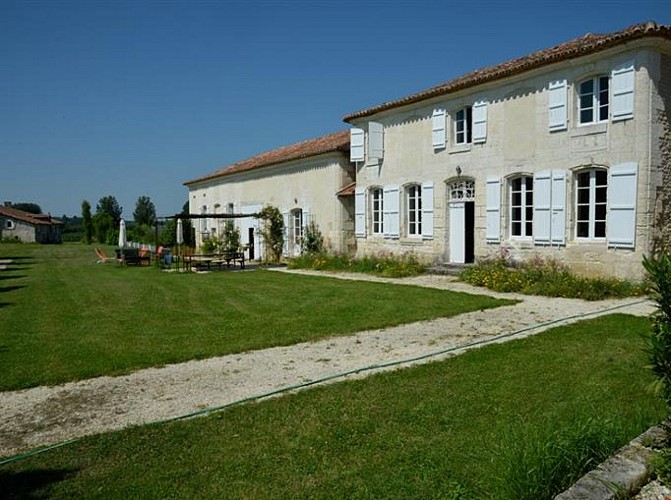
x,y
661,235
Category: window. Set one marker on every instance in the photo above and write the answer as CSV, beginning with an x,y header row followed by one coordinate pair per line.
x,y
296,225
9,224
377,210
521,207
204,226
462,191
593,100
591,203
463,124
414,213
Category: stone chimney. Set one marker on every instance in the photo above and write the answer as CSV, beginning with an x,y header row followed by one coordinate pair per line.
x,y
8,203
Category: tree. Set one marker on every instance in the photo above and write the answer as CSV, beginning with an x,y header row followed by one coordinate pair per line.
x,y
106,230
108,205
145,211
87,223
32,208
272,232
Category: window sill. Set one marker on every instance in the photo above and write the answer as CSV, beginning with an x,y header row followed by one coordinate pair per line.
x,y
590,129
459,148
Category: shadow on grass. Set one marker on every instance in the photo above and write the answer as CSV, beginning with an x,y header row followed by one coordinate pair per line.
x,y
29,484
4,289
13,277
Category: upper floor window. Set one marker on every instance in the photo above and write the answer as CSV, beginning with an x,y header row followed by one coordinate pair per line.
x,y
591,203
463,125
593,100
521,207
377,210
414,210
9,224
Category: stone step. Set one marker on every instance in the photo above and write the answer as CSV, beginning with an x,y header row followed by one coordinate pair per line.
x,y
448,269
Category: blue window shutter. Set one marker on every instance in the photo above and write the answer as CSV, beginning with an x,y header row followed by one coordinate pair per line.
x,y
622,188
360,213
427,210
438,124
356,144
558,212
557,95
480,121
391,212
493,234
622,83
375,140
542,207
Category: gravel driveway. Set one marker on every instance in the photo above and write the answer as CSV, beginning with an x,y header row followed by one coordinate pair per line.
x,y
49,415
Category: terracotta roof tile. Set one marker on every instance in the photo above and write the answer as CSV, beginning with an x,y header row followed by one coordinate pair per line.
x,y
584,45
347,190
35,219
338,141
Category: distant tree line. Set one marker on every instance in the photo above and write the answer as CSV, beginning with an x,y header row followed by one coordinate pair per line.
x,y
103,225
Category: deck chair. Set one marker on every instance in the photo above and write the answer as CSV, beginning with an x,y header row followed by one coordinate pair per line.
x,y
102,258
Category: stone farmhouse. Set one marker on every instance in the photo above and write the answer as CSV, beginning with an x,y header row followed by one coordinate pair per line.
x,y
311,181
563,153
29,228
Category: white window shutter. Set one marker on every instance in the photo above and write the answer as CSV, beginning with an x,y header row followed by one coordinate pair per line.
x,y
391,221
558,211
375,140
542,207
360,213
438,123
427,210
493,210
356,144
622,188
285,246
480,121
307,217
557,95
622,82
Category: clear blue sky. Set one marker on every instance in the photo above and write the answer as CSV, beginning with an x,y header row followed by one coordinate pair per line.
x,y
131,98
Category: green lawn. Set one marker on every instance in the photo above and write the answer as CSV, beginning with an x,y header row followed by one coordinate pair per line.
x,y
511,421
63,317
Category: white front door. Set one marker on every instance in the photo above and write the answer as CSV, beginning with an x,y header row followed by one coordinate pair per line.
x,y
457,232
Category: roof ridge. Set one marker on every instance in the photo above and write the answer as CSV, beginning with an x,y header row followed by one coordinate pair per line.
x,y
336,141
583,45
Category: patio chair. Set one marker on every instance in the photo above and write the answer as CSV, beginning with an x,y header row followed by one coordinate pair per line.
x,y
102,258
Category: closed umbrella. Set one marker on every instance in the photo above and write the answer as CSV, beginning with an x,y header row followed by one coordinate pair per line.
x,y
180,232
122,234
180,236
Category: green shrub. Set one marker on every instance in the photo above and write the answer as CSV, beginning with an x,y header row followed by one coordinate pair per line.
x,y
388,265
546,277
312,241
659,339
272,232
230,238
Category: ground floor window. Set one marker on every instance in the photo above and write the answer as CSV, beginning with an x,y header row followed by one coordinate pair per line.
x,y
521,207
591,203
414,210
377,210
296,226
